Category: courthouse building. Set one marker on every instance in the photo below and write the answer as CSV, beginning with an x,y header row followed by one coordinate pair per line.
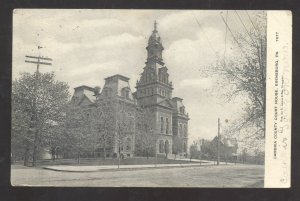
x,y
154,91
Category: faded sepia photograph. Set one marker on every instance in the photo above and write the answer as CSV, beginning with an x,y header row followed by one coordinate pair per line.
x,y
139,98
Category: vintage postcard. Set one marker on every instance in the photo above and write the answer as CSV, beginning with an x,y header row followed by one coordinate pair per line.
x,y
151,98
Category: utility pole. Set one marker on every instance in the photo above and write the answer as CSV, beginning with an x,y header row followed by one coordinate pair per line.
x,y
38,61
218,143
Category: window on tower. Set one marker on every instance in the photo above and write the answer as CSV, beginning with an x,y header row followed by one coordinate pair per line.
x,y
161,124
181,109
167,125
180,129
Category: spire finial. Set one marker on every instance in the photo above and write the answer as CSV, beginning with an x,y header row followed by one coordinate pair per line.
x,y
155,25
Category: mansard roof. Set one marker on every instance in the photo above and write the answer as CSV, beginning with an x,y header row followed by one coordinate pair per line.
x,y
118,76
114,85
83,92
84,87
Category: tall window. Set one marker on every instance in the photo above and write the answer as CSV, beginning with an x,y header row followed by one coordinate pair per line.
x,y
167,147
167,125
181,110
161,146
161,124
180,129
127,94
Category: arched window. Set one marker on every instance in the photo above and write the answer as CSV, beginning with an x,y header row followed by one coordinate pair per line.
x,y
167,147
161,146
184,147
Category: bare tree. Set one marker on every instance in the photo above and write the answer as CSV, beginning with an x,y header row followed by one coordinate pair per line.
x,y
243,76
194,151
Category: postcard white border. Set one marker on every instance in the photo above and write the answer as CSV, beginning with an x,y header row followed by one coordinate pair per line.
x,y
278,100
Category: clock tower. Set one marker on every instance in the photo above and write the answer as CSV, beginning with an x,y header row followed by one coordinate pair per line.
x,y
154,85
154,91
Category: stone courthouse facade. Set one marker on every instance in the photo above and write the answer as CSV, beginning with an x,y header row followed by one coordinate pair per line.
x,y
168,118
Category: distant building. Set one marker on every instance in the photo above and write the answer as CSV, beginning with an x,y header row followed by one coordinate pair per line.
x,y
153,90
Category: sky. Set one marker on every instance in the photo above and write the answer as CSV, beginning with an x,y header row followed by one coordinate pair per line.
x,y
89,45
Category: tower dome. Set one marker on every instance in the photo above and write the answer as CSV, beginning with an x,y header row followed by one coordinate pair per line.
x,y
154,38
155,47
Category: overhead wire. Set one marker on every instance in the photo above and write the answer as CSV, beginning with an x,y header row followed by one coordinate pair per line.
x,y
255,28
202,30
234,38
244,27
225,40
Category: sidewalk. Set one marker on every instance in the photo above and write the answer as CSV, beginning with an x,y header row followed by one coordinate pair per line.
x,y
205,161
70,168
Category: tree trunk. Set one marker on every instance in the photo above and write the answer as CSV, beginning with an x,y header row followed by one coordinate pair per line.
x,y
200,159
26,154
35,147
78,157
155,159
53,153
119,157
53,156
104,150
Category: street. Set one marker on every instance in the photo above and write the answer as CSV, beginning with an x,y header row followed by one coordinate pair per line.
x,y
205,176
